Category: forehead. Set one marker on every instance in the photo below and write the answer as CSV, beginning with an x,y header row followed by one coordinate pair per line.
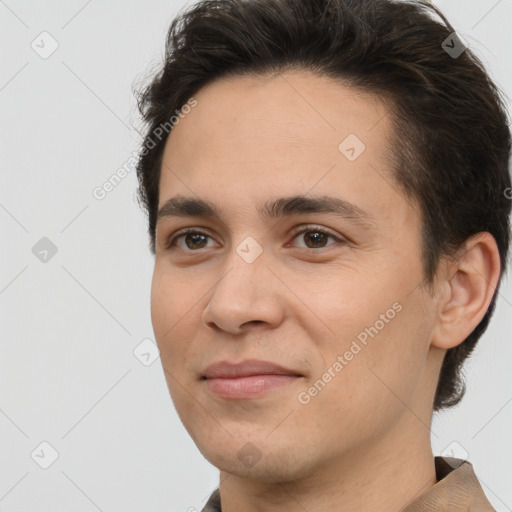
x,y
277,112
290,133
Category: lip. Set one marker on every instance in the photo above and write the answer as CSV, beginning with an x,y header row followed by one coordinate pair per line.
x,y
248,379
246,368
243,388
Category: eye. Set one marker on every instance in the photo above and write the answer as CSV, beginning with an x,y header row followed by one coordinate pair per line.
x,y
316,237
193,239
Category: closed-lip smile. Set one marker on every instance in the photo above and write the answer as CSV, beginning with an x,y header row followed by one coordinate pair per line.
x,y
247,380
246,368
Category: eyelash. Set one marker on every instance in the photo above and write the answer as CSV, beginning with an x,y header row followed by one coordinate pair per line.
x,y
173,238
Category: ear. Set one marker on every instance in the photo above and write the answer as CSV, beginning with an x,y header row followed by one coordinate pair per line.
x,y
466,287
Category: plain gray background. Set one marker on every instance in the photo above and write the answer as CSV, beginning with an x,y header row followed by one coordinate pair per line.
x,y
71,322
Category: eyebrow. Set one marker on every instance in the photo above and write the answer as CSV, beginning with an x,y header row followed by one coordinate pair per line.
x,y
181,206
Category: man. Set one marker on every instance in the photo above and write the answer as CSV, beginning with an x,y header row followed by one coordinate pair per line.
x,y
330,222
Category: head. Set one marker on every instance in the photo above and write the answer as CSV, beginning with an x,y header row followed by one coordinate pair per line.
x,y
360,102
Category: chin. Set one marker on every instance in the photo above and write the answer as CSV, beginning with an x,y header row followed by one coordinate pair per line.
x,y
247,462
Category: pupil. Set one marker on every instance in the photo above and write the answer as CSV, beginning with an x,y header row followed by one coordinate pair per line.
x,y
193,236
315,237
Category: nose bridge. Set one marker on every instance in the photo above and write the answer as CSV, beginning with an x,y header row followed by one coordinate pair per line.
x,y
244,293
246,267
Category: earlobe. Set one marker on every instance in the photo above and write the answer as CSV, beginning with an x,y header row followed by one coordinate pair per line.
x,y
467,291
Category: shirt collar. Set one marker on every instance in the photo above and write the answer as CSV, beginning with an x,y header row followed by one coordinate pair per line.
x,y
457,490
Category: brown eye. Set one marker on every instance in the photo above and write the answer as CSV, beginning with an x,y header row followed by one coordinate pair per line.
x,y
312,236
315,238
197,240
193,240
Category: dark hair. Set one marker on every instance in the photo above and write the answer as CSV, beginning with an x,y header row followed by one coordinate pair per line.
x,y
451,141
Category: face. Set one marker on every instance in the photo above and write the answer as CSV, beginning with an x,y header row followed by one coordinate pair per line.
x,y
334,296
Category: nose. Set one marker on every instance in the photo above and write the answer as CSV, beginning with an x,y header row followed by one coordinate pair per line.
x,y
248,293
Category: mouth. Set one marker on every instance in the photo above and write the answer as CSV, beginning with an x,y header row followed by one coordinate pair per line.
x,y
248,379
247,368
252,386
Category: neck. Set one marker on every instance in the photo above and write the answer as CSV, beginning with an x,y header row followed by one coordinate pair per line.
x,y
379,477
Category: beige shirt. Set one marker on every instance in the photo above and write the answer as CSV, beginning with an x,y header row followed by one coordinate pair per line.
x,y
457,490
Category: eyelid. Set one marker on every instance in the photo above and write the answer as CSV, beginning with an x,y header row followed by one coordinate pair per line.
x,y
170,241
312,227
296,232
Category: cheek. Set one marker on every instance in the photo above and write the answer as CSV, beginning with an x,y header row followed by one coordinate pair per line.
x,y
176,309
377,380
389,368
170,311
161,299
340,302
172,301
377,327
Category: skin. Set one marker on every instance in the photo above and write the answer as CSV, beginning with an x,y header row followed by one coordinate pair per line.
x,y
363,442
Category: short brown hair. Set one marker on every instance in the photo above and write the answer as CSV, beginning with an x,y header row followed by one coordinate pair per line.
x,y
451,141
